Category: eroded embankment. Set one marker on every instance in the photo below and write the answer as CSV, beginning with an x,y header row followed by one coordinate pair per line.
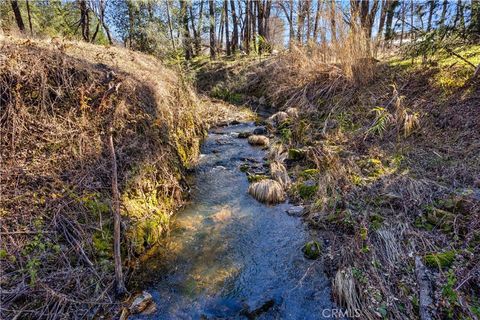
x,y
60,101
387,160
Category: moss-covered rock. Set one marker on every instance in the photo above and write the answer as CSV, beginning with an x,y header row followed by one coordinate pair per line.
x,y
308,189
312,249
440,260
309,173
296,154
256,177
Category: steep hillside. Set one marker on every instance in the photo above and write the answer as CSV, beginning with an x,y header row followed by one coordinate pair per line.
x,y
59,103
385,158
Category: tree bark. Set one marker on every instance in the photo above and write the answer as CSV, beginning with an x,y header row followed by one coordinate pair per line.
x,y
430,14
247,27
170,27
102,19
389,20
235,27
317,20
18,15
29,17
187,44
444,13
381,22
84,20
211,6
227,32
119,281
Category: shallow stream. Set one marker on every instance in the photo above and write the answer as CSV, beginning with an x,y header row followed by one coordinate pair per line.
x,y
229,256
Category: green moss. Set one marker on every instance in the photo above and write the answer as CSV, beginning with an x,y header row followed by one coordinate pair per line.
x,y
296,154
244,167
286,135
440,260
103,242
376,221
256,177
307,191
309,173
312,249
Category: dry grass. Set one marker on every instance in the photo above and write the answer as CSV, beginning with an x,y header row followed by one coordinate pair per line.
x,y
59,100
279,173
257,140
267,191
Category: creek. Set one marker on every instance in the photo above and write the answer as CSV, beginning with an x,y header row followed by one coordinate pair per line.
x,y
227,255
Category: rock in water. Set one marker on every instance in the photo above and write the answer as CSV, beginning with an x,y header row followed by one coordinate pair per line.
x,y
141,302
296,211
260,131
312,249
258,140
244,135
267,191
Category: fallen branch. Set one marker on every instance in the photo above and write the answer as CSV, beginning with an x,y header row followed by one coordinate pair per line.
x,y
425,289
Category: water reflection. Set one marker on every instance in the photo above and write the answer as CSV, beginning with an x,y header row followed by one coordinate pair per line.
x,y
229,256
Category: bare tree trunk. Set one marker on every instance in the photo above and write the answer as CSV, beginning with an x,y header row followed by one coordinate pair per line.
x,y
211,5
254,12
235,27
170,27
459,16
389,20
333,24
317,20
404,9
381,22
18,15
307,9
220,30
95,33
300,22
119,281
227,36
29,17
198,36
430,14
187,44
444,13
247,26
102,20
84,20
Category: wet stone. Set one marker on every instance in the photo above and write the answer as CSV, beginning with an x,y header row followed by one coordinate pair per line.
x,y
296,211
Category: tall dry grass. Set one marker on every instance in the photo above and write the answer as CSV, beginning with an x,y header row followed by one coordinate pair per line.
x,y
59,101
304,76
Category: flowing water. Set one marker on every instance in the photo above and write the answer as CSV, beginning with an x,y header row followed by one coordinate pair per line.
x,y
229,256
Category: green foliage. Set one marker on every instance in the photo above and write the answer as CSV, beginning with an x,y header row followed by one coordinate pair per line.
x,y
256,177
222,93
449,293
309,173
306,191
286,135
296,154
312,249
440,260
381,122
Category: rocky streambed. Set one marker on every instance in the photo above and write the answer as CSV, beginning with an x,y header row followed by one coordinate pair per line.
x,y
230,256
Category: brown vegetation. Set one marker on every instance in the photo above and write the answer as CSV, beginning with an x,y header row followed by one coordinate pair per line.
x,y
59,102
267,191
